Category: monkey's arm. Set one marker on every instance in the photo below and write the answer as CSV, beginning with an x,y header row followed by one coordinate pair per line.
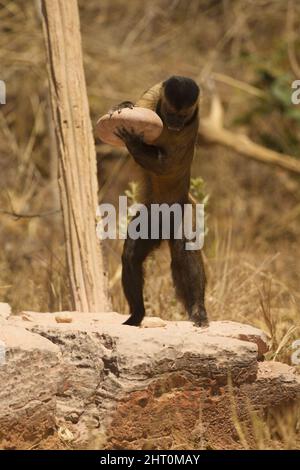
x,y
150,157
150,98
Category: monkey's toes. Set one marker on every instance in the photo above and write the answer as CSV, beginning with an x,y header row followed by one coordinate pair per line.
x,y
201,324
133,321
200,319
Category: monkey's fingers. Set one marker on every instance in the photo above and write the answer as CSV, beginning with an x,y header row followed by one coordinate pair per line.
x,y
121,133
123,105
118,107
112,110
119,136
117,133
134,135
127,135
126,104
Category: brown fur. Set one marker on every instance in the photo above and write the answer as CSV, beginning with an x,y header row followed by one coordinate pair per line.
x,y
165,168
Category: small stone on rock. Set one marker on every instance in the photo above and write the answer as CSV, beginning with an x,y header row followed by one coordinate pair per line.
x,y
153,322
63,317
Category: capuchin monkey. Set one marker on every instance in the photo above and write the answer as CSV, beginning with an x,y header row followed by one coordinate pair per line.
x,y
165,172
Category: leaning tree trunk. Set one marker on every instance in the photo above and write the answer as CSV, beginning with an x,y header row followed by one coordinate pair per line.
x,y
76,154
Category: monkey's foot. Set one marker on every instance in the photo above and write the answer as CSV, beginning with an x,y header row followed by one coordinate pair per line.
x,y
133,321
199,318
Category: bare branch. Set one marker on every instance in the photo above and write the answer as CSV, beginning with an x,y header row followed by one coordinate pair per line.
x,y
18,215
291,36
211,131
243,86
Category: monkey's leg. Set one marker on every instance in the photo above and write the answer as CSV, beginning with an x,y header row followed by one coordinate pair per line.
x,y
134,254
189,279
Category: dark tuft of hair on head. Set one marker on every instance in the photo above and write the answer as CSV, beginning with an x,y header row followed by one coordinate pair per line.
x,y
181,92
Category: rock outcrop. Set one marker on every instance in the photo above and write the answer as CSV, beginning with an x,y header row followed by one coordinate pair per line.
x,y
29,377
99,384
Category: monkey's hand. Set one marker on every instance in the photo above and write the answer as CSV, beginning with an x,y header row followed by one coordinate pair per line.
x,y
119,107
148,156
133,141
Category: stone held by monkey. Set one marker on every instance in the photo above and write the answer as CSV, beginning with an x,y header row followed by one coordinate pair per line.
x,y
139,120
165,172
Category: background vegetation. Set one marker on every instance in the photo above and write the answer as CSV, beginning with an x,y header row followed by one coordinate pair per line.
x,y
245,50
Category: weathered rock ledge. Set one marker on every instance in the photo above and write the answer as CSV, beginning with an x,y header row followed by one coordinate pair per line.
x,y
97,383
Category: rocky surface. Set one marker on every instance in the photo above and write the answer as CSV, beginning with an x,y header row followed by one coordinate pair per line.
x,y
115,386
29,377
5,311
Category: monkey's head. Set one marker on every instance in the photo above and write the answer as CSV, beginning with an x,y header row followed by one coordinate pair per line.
x,y
179,102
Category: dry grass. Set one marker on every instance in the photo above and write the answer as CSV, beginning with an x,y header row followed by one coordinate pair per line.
x,y
276,429
252,248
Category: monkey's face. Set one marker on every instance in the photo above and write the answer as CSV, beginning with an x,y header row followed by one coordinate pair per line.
x,y
179,102
175,119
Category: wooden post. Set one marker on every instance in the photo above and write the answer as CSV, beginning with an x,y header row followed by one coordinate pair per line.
x,y
76,154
